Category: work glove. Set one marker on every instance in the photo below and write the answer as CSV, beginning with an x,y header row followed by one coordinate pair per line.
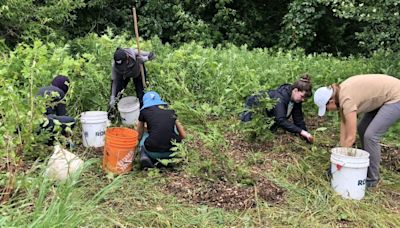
x,y
112,102
307,136
111,109
152,56
144,58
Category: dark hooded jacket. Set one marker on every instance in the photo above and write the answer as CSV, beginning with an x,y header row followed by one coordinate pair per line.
x,y
283,94
124,71
57,102
280,111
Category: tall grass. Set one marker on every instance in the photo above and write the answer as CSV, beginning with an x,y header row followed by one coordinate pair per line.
x,y
41,202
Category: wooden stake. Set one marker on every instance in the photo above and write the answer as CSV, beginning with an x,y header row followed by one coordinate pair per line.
x,y
137,44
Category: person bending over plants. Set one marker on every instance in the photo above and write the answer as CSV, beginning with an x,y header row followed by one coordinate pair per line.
x,y
127,65
163,128
289,100
56,112
377,96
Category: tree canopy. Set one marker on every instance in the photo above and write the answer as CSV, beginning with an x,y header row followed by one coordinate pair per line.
x,y
340,27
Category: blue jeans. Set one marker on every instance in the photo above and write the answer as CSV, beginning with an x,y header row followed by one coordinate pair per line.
x,y
152,154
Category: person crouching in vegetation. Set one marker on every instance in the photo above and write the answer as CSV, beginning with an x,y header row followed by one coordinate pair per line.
x,y
375,95
126,66
289,104
56,112
163,129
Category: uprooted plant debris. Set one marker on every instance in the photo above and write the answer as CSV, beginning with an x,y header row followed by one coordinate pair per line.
x,y
222,194
391,157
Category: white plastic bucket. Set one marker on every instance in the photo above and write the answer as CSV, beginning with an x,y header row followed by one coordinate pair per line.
x,y
129,109
349,172
94,125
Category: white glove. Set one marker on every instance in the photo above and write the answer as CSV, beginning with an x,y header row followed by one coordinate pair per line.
x,y
112,101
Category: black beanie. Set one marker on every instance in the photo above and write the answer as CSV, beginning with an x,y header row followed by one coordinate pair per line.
x,y
119,56
61,82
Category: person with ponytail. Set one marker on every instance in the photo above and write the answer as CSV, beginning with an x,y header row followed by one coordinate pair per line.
x,y
289,104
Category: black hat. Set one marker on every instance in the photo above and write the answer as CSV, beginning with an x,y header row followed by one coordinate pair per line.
x,y
120,56
61,82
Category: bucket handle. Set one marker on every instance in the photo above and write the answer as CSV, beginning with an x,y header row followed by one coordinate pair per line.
x,y
340,163
339,166
86,134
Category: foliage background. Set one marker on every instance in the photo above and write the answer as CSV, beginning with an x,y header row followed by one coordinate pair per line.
x,y
339,27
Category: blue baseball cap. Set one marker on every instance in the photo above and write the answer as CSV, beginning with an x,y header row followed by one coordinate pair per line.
x,y
150,99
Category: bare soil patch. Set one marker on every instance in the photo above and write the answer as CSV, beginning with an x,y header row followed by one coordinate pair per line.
x,y
391,157
222,194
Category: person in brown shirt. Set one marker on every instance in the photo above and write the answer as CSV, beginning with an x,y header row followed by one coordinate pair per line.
x,y
377,96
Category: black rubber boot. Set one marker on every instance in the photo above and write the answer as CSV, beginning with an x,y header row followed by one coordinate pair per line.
x,y
145,161
328,172
371,183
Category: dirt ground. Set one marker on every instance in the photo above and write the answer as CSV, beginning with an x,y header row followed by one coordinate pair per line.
x,y
391,158
226,194
221,193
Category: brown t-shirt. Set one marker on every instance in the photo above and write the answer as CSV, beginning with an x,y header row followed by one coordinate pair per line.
x,y
367,92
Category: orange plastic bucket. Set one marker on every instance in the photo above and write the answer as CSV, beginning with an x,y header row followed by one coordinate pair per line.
x,y
119,149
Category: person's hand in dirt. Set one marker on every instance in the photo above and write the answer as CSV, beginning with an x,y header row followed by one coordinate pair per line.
x,y
152,56
307,136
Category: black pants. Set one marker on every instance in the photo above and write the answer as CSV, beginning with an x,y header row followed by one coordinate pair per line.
x,y
251,102
65,121
139,87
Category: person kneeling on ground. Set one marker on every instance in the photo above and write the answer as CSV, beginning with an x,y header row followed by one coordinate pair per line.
x,y
163,128
375,95
56,108
289,104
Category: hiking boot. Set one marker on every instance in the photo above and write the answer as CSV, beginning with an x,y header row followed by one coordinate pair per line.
x,y
145,161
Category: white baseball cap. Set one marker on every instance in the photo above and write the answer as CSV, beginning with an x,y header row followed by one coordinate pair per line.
x,y
321,97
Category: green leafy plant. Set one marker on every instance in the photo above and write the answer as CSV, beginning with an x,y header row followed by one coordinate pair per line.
x,y
179,156
259,126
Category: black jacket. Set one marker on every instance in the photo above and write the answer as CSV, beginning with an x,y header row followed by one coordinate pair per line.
x,y
160,125
283,94
56,105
